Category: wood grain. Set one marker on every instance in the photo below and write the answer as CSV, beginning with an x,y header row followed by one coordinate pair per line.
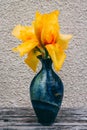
x,y
25,119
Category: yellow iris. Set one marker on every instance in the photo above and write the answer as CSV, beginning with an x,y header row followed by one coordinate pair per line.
x,y
43,35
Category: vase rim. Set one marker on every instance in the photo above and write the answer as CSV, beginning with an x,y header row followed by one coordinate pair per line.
x,y
41,57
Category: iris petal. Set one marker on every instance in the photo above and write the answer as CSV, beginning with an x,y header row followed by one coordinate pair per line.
x,y
26,47
64,40
24,33
57,55
32,60
47,27
50,28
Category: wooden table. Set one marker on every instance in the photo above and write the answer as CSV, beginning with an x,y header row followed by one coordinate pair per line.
x,y
25,119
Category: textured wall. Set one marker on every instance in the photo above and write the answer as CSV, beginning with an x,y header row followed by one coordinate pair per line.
x,y
15,76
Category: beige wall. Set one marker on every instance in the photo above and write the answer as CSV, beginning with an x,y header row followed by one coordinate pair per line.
x,y
15,76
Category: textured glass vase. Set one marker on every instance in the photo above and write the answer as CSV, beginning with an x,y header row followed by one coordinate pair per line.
x,y
46,93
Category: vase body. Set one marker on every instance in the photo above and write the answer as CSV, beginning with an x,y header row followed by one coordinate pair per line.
x,y
46,93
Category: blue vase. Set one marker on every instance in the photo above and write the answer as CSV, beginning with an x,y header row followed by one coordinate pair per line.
x,y
46,93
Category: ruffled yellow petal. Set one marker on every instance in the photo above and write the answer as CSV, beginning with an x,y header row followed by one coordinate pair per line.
x,y
32,60
57,55
64,40
25,47
24,33
50,30
38,24
47,27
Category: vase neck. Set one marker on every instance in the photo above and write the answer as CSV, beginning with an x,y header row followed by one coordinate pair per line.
x,y
46,63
